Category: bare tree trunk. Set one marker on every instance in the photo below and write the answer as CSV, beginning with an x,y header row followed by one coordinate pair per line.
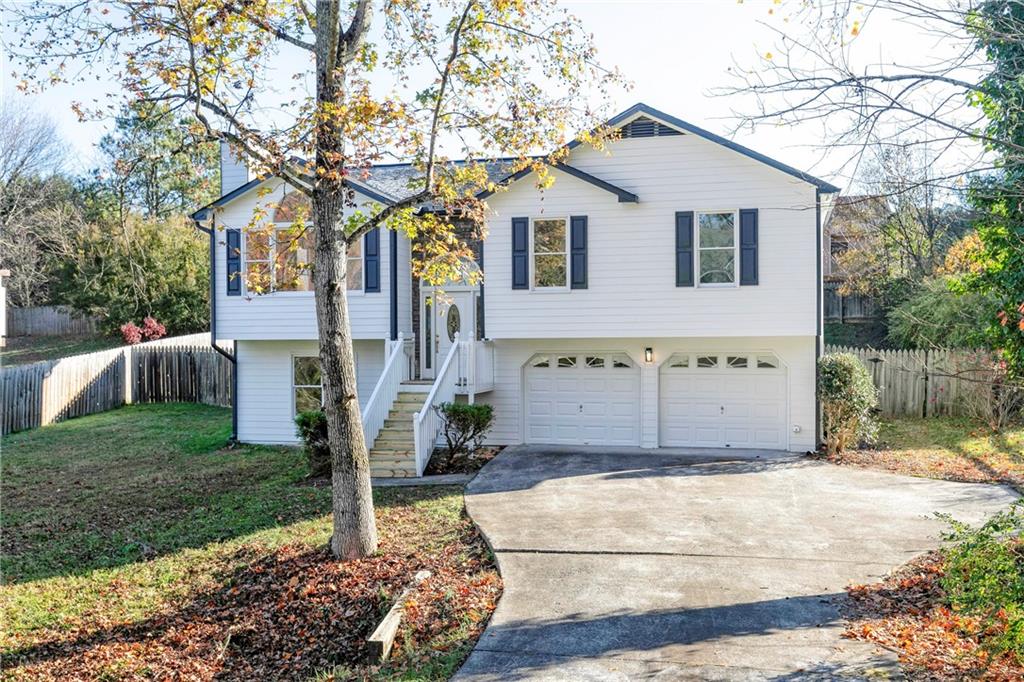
x,y
355,530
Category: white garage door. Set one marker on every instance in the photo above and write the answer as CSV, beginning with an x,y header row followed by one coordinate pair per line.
x,y
735,400
583,399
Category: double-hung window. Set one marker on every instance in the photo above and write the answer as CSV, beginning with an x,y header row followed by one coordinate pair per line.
x,y
307,390
354,266
716,248
281,258
550,255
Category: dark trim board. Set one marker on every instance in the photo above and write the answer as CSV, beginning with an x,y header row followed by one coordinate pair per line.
x,y
625,196
203,213
819,316
213,327
393,284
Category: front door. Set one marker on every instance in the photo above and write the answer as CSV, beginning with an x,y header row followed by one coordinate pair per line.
x,y
454,311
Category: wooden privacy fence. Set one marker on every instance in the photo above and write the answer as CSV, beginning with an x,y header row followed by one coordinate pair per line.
x,y
47,320
852,308
51,391
920,383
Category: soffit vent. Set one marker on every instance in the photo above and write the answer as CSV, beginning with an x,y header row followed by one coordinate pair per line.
x,y
645,127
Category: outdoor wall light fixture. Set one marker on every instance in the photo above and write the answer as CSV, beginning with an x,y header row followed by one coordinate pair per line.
x,y
649,355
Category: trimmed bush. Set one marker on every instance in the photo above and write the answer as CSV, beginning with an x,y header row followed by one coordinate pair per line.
x,y
312,429
465,426
848,397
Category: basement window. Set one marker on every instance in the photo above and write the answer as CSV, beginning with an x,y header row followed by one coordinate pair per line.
x,y
307,389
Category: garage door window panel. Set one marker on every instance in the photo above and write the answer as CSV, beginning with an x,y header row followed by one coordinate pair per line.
x,y
707,361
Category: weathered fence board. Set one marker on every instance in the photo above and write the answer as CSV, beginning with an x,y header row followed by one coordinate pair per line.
x,y
48,321
918,383
51,391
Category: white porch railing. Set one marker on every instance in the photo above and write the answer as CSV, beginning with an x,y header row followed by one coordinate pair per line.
x,y
476,367
396,370
426,424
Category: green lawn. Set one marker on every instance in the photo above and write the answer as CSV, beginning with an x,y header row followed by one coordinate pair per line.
x,y
21,350
947,447
118,524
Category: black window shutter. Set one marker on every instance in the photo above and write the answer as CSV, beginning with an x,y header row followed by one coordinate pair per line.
x,y
578,251
520,253
371,260
684,249
748,246
233,240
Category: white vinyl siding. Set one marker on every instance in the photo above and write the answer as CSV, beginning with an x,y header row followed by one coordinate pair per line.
x,y
631,247
265,388
292,315
508,398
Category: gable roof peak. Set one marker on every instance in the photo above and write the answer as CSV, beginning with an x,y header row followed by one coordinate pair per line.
x,y
641,109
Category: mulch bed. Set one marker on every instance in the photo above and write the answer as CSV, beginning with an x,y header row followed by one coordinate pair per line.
x,y
906,614
285,615
463,464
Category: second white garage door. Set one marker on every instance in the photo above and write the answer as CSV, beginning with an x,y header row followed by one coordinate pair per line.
x,y
718,400
582,399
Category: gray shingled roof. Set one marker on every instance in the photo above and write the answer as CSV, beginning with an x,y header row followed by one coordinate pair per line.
x,y
399,180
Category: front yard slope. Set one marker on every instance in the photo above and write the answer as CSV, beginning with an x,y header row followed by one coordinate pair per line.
x,y
136,547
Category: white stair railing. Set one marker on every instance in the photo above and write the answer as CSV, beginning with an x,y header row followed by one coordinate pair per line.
x,y
378,407
426,424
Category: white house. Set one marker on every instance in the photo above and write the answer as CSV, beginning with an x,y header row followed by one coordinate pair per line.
x,y
663,293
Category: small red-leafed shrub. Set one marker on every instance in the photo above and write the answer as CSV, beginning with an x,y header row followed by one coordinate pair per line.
x,y
131,333
153,330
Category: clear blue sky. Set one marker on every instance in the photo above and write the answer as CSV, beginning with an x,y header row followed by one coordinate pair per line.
x,y
674,51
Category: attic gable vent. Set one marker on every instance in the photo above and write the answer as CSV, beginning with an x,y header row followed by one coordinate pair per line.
x,y
645,127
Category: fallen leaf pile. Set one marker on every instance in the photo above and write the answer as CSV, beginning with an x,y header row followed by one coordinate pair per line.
x,y
285,614
936,465
906,614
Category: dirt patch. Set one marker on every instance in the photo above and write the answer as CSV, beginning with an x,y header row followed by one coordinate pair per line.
x,y
906,614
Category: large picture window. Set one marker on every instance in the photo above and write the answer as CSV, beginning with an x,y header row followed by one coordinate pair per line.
x,y
550,259
717,248
307,390
281,260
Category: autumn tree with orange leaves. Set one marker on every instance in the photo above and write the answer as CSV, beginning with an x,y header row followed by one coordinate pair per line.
x,y
315,91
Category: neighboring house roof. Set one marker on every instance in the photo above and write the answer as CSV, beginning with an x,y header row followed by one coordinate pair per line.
x,y
854,214
388,183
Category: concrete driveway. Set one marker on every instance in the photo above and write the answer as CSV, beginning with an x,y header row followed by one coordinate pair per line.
x,y
628,564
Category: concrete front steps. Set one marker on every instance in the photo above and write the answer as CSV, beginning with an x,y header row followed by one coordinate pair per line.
x,y
393,454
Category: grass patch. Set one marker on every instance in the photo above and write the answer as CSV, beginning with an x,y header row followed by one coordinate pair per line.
x,y
136,546
21,350
950,448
